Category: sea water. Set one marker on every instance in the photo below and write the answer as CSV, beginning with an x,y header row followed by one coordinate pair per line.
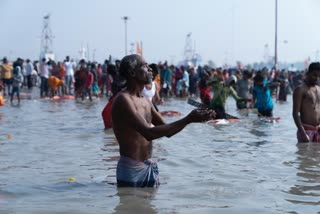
x,y
55,157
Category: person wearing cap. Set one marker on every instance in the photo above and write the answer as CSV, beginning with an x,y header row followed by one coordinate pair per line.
x,y
222,90
306,106
6,74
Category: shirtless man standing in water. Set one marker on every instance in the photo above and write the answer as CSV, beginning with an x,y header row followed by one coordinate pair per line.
x,y
306,106
136,123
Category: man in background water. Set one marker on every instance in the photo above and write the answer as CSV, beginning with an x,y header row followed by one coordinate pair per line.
x,y
306,106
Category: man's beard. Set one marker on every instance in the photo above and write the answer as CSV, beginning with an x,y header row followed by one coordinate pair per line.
x,y
149,80
146,81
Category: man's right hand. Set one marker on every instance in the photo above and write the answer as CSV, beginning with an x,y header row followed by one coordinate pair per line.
x,y
201,115
305,138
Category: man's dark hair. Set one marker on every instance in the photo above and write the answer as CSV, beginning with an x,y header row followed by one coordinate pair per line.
x,y
258,77
128,64
315,66
112,70
247,73
82,61
155,69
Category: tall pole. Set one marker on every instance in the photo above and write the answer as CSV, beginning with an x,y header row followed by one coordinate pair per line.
x,y
94,55
276,37
125,19
88,50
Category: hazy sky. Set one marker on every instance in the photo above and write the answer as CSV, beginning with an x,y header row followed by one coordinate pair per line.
x,y
222,30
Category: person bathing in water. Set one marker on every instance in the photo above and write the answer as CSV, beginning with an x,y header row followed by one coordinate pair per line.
x,y
221,92
117,85
204,89
151,91
17,80
306,106
136,123
261,95
244,86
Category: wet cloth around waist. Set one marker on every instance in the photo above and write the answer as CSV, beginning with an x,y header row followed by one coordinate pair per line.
x,y
312,131
133,173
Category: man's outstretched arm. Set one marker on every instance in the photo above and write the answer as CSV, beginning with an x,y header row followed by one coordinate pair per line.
x,y
123,108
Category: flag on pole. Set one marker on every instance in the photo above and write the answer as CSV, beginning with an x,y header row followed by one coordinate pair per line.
x,y
139,48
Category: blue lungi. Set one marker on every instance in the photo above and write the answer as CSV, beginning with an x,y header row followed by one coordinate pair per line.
x,y
133,173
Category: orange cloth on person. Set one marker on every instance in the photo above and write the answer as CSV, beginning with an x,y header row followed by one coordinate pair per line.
x,y
158,82
1,100
54,82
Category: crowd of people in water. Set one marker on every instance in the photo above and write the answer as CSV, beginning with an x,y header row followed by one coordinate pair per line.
x,y
136,88
85,78
82,79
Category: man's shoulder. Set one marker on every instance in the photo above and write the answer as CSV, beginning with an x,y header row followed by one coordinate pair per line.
x,y
301,88
121,97
121,103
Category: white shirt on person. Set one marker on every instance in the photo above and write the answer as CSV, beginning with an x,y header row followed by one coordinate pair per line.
x,y
149,93
44,70
69,68
17,77
186,78
29,69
